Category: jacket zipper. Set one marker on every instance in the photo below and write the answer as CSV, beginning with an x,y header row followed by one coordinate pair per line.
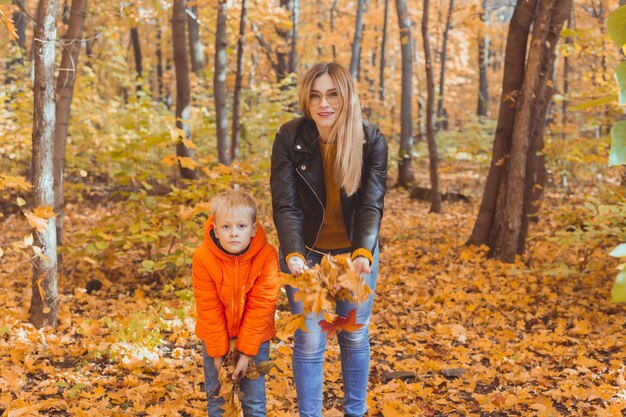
x,y
323,210
237,296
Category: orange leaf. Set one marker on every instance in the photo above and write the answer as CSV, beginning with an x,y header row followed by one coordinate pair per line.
x,y
341,323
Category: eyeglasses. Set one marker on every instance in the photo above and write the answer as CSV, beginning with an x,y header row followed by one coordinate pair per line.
x,y
332,98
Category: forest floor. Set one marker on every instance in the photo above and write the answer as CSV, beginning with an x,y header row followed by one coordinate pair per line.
x,y
452,333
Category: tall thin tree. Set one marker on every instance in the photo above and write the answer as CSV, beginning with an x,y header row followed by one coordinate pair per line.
x,y
64,92
483,62
405,169
383,47
134,38
183,89
219,84
196,52
45,294
441,117
236,129
433,157
356,41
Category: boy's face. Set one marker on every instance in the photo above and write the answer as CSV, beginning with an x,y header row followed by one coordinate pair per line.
x,y
234,230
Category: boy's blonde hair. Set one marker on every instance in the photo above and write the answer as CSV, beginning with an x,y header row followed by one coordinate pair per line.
x,y
228,201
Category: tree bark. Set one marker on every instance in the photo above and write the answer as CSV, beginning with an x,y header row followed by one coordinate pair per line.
x,y
442,72
234,150
219,84
383,42
134,38
333,8
405,171
435,197
564,103
196,52
483,63
64,91
514,62
183,90
293,53
356,41
550,16
45,297
159,65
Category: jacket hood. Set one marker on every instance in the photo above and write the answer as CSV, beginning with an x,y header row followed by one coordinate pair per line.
x,y
256,243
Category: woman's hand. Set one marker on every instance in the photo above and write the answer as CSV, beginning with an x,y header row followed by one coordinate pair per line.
x,y
242,366
296,265
361,265
217,362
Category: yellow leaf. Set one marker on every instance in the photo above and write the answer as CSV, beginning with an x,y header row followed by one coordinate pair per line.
x,y
35,221
177,134
393,409
20,202
46,310
8,23
44,212
169,160
186,162
83,173
189,144
28,240
1,252
7,181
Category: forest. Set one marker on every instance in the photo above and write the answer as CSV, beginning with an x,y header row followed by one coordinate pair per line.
x,y
501,282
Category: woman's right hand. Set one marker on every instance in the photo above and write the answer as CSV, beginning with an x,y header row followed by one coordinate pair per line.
x,y
296,265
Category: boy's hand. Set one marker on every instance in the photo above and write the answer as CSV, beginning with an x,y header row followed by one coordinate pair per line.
x,y
242,366
217,362
361,265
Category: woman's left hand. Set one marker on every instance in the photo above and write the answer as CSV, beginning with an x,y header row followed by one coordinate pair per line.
x,y
361,265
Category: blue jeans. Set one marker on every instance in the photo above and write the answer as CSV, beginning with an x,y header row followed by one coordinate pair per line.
x,y
252,396
309,348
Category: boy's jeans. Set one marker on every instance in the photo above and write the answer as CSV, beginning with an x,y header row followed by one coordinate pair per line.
x,y
252,396
309,348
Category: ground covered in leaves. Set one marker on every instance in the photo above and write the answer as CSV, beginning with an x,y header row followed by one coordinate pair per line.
x,y
453,334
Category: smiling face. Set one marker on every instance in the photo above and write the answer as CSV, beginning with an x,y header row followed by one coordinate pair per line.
x,y
234,229
324,104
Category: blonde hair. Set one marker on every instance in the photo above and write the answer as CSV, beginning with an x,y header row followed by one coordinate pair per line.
x,y
347,132
229,201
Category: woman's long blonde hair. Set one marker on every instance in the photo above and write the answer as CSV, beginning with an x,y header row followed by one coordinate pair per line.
x,y
347,131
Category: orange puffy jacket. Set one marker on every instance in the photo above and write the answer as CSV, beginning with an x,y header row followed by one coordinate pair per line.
x,y
235,294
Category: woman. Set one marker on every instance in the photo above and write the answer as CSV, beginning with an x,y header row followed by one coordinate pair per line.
x,y
328,181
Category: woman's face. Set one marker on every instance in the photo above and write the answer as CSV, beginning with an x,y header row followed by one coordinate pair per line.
x,y
324,104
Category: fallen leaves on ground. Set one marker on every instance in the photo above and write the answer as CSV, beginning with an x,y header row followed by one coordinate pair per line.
x,y
452,333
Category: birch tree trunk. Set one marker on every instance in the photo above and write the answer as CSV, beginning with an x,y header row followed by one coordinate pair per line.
x,y
483,63
219,84
441,117
183,90
234,150
356,41
45,298
64,91
196,53
433,157
405,171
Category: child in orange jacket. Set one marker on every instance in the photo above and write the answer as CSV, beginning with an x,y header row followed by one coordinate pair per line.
x,y
236,286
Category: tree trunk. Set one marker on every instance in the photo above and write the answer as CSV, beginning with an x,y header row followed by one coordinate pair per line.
x,y
483,63
45,297
514,62
442,72
356,41
234,149
568,40
19,20
433,158
183,90
196,53
219,84
405,171
293,53
159,65
333,8
134,38
507,227
64,91
381,88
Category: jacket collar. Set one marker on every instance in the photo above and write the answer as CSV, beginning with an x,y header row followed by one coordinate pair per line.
x,y
308,135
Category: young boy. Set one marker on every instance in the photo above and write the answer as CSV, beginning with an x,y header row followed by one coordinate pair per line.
x,y
236,287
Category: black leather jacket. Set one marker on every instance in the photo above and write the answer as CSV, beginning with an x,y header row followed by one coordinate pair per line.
x,y
299,191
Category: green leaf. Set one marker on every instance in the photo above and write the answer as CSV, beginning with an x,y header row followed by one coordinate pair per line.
x,y
618,292
616,26
620,251
620,77
596,102
618,144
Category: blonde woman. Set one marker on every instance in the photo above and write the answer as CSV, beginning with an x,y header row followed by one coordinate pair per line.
x,y
328,181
